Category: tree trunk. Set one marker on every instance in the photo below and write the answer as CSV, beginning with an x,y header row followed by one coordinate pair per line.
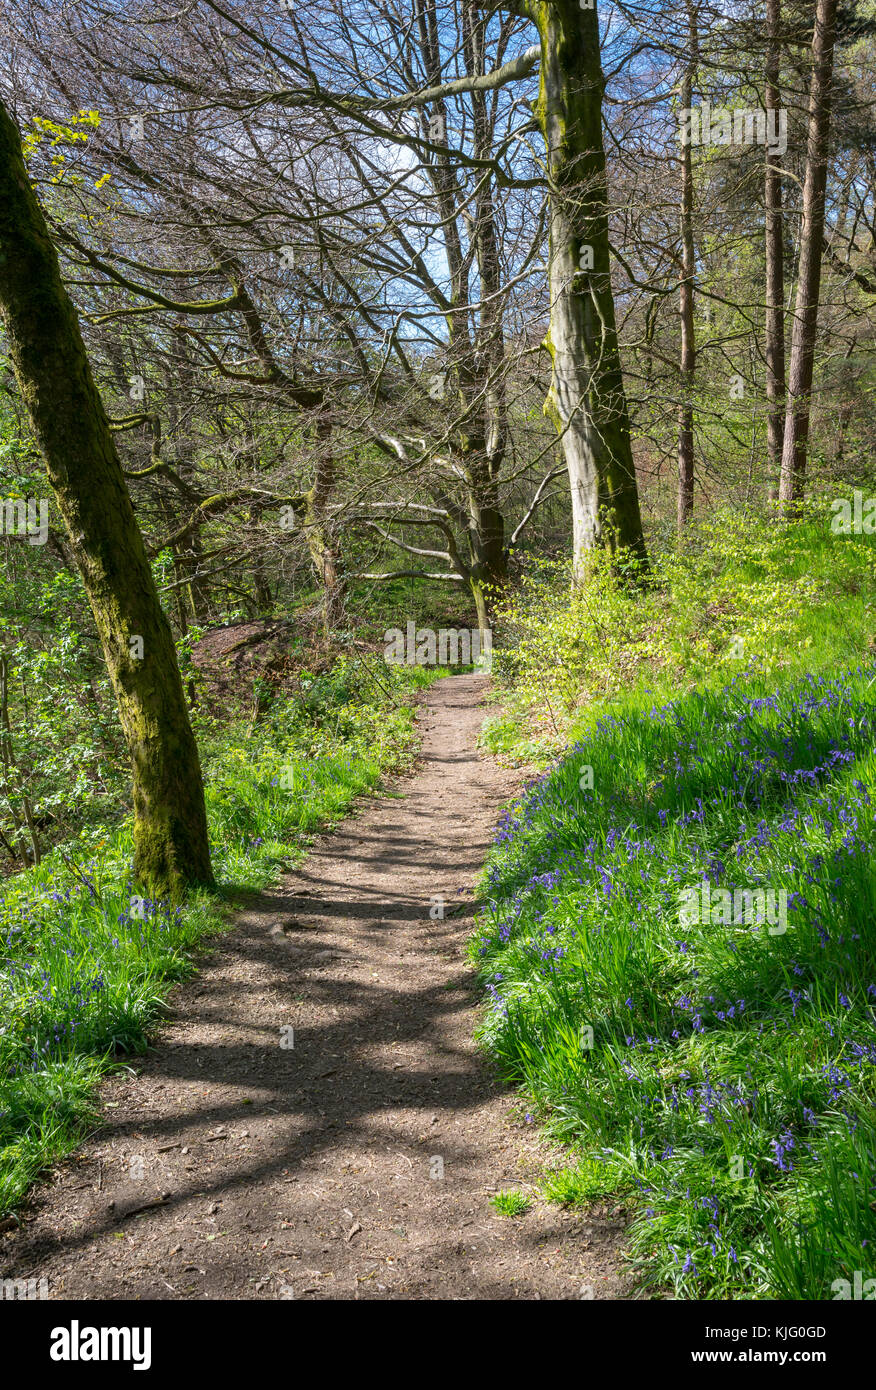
x,y
775,278
586,400
70,426
13,783
179,577
485,377
198,587
687,362
321,536
263,599
793,477
488,557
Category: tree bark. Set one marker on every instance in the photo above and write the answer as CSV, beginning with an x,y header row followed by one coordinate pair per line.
x,y
11,777
586,401
321,534
687,361
775,277
793,478
70,426
489,562
483,382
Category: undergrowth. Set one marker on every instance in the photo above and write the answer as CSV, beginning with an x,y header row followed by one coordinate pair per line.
x,y
86,963
715,1068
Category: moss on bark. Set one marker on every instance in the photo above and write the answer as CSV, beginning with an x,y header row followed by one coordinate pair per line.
x,y
72,432
586,400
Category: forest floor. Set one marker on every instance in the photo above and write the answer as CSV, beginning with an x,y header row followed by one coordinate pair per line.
x,y
357,1162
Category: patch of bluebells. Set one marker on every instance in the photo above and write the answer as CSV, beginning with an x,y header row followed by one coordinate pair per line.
x,y
597,861
54,941
769,775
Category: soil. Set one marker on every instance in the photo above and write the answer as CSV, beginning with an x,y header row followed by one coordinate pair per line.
x,y
315,1120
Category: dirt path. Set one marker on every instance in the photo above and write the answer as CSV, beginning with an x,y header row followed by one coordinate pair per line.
x,y
307,1171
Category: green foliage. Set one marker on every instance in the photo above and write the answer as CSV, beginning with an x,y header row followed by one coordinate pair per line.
x,y
511,1203
742,589
720,1077
587,1180
56,137
725,1072
85,966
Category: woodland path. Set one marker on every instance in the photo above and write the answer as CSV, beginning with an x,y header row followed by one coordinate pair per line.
x,y
305,1171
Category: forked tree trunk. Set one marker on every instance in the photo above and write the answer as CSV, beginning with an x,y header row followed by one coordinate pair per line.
x,y
586,401
775,278
800,373
170,823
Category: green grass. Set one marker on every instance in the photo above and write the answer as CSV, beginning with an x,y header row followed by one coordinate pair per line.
x,y
743,589
724,1073
719,1078
83,975
511,1203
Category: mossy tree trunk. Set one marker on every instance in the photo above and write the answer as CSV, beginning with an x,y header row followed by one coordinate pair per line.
x,y
70,426
586,401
